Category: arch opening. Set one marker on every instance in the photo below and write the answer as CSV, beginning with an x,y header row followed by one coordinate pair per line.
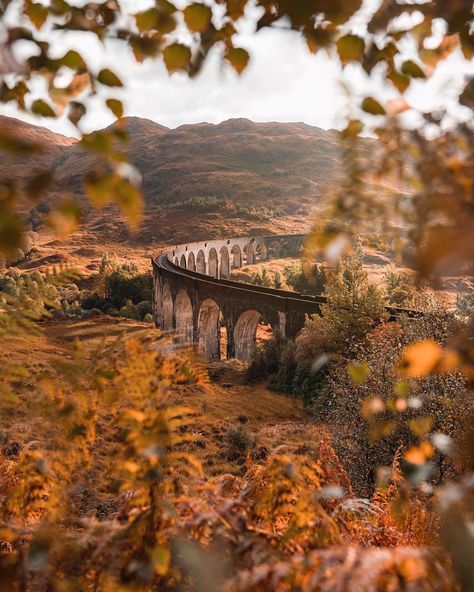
x,y
212,333
274,249
236,254
176,261
167,308
249,255
261,252
225,263
213,263
201,262
250,331
182,262
191,262
184,318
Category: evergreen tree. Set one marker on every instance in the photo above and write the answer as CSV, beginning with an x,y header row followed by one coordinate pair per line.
x,y
277,283
354,306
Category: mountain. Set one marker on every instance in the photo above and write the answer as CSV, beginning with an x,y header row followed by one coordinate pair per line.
x,y
51,148
268,164
199,181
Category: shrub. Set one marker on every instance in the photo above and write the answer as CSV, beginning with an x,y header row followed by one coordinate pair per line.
x,y
120,287
239,441
144,308
129,311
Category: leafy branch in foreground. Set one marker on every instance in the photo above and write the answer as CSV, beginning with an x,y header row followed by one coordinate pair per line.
x,y
30,299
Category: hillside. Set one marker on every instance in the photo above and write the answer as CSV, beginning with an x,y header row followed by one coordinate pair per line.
x,y
236,177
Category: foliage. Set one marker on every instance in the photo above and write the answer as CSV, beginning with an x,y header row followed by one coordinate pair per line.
x,y
353,307
306,278
213,204
28,298
261,278
120,289
276,530
398,286
239,441
277,282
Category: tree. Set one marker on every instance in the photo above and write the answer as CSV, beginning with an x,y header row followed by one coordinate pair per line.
x,y
354,306
398,286
277,283
306,278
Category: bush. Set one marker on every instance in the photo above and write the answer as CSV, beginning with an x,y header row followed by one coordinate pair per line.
x,y
143,308
94,301
129,311
120,287
121,291
239,442
265,362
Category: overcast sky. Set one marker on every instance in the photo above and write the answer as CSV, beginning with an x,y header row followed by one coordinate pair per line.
x,y
284,82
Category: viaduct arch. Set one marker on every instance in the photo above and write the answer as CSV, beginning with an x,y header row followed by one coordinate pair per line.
x,y
193,296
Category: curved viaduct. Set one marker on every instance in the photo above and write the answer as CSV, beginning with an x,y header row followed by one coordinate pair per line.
x,y
193,296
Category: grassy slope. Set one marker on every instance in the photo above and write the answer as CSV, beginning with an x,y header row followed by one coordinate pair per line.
x,y
225,403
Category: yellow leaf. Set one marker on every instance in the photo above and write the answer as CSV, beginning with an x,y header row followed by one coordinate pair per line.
x,y
177,57
160,557
412,69
420,358
109,78
40,107
197,17
147,19
358,373
370,105
116,107
37,13
65,219
421,426
238,58
350,48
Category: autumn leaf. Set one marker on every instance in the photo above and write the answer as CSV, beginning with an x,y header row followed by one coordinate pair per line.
x,y
372,106
420,358
65,219
358,373
37,13
412,69
177,57
350,48
109,78
238,58
116,107
147,19
418,455
40,107
197,17
353,128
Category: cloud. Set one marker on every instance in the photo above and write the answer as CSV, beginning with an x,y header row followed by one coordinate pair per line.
x,y
284,82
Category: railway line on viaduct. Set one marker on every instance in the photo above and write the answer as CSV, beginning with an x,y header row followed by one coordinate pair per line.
x,y
193,295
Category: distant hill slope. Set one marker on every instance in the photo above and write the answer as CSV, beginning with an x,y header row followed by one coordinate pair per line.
x,y
53,148
269,164
199,180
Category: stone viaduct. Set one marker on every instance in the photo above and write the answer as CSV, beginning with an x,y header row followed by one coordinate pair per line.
x,y
194,297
